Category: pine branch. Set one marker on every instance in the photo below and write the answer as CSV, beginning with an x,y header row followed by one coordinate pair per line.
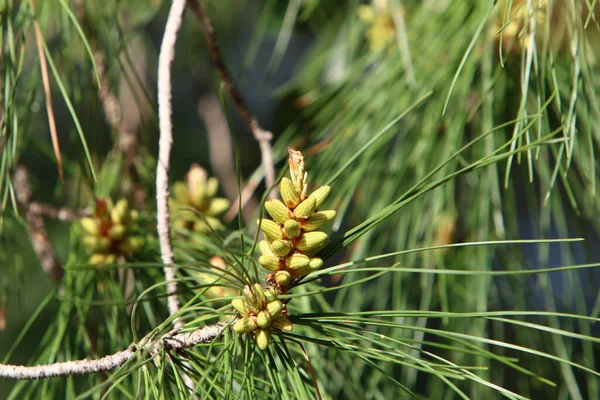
x,y
169,342
167,52
262,136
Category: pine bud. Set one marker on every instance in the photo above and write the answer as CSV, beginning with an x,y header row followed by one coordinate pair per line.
x,y
297,261
200,226
217,206
274,308
315,263
270,263
206,223
265,249
263,319
97,243
282,323
318,219
130,245
123,206
90,226
241,306
263,337
245,324
180,192
311,242
116,216
306,208
278,211
259,295
270,295
197,196
248,294
133,215
283,278
117,232
270,228
281,248
320,195
288,194
211,187
291,229
97,259
119,211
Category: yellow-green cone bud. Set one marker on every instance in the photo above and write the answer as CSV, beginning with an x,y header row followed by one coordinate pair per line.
x,y
117,232
270,295
212,187
288,194
245,324
119,211
197,196
116,216
259,295
278,211
131,245
123,206
270,228
315,263
269,262
217,206
283,278
297,261
306,208
263,337
179,223
265,249
212,222
91,242
97,259
320,195
281,248
312,242
241,306
318,219
263,319
90,226
200,226
180,192
97,243
133,215
282,323
248,294
291,228
274,308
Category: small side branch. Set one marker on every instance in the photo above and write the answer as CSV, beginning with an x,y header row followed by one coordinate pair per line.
x,y
37,228
85,367
262,136
167,52
60,214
